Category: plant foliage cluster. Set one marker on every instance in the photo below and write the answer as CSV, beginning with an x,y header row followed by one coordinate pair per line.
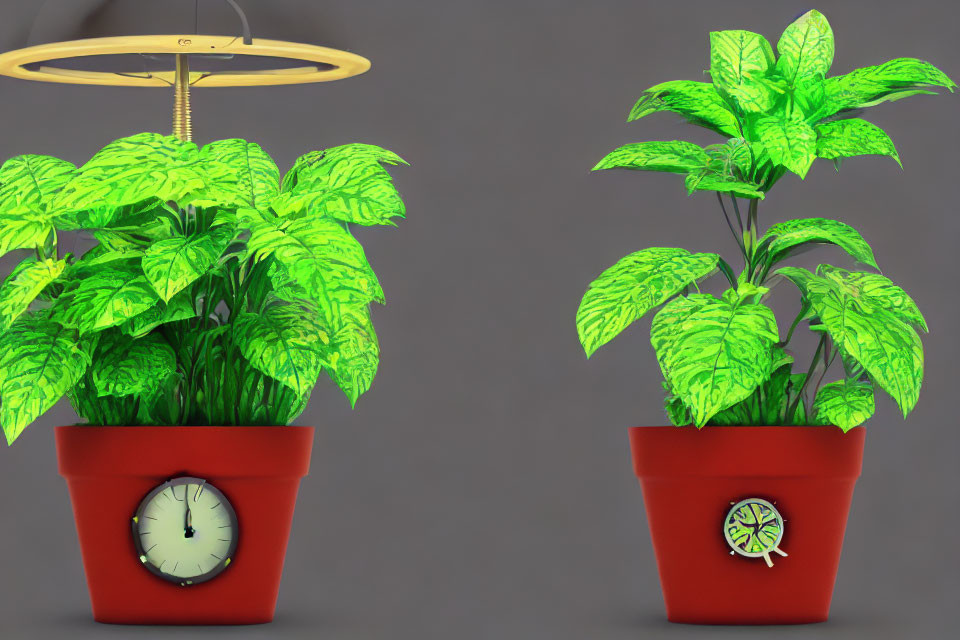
x,y
215,293
723,359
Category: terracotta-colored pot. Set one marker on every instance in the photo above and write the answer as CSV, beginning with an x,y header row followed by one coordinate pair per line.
x,y
691,479
109,470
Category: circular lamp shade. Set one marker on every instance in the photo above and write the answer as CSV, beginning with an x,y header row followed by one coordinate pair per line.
x,y
292,63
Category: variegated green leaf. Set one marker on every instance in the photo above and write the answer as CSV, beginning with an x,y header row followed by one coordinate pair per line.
x,y
789,141
110,296
39,361
845,404
174,264
24,285
893,80
879,339
740,61
346,183
354,350
853,137
318,253
23,230
132,170
124,366
245,175
179,307
674,156
788,235
698,102
632,287
877,292
714,353
806,47
705,181
28,183
285,342
343,159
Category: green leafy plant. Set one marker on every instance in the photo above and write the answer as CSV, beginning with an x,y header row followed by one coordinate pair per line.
x,y
723,360
215,292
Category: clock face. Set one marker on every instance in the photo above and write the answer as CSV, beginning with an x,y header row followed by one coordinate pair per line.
x,y
185,531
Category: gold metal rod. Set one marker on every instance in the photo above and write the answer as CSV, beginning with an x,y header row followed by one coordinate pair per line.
x,y
182,124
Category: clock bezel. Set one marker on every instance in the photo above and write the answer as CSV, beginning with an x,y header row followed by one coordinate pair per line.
x,y
228,558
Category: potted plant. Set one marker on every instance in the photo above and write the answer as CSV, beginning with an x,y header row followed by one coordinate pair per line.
x,y
187,338
747,516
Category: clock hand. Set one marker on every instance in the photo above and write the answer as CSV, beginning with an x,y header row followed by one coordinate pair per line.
x,y
188,519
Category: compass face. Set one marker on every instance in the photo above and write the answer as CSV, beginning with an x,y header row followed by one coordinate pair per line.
x,y
185,531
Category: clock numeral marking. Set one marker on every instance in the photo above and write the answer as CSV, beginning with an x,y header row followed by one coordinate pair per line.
x,y
199,567
216,556
223,540
215,506
226,526
144,533
161,565
152,548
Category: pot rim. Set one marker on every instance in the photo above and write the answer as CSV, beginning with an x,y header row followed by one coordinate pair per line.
x,y
742,451
221,451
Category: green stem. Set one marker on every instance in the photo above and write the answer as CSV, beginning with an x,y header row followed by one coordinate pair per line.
x,y
813,365
804,308
736,236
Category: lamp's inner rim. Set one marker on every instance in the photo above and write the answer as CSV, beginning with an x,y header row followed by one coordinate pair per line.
x,y
164,63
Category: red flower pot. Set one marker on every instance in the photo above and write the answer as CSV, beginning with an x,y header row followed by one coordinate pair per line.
x,y
692,478
109,470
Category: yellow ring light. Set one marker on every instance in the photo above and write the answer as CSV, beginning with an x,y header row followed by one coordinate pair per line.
x,y
344,64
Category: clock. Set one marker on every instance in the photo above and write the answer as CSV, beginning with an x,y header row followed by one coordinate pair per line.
x,y
185,531
753,528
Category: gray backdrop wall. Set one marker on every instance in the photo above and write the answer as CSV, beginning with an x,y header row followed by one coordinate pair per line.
x,y
483,488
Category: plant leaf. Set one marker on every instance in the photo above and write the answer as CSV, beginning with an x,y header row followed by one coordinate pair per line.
x,y
108,297
23,230
318,253
632,287
320,164
788,235
179,307
806,47
711,182
354,350
283,342
39,361
172,265
125,366
28,183
886,346
675,156
24,285
877,292
132,170
845,404
739,62
698,102
346,183
893,80
714,353
853,137
790,142
245,175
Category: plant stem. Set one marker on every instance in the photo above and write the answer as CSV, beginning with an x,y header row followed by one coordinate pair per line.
x,y
813,365
736,236
804,308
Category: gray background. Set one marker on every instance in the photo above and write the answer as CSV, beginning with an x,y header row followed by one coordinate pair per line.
x,y
483,489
